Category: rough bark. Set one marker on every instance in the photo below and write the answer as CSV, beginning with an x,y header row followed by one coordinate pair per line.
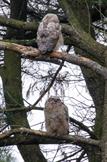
x,y
13,87
95,82
74,59
18,24
29,136
104,133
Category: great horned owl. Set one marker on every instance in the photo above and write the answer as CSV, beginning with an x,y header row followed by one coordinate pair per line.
x,y
49,35
56,117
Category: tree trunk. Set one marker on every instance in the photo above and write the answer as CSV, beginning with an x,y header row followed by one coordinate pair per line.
x,y
104,133
13,87
79,17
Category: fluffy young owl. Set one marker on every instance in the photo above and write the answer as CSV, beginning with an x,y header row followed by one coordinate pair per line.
x,y
56,117
49,35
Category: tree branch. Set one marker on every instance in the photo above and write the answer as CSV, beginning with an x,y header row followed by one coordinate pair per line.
x,y
49,85
82,38
82,61
28,136
81,156
85,42
74,59
17,24
83,127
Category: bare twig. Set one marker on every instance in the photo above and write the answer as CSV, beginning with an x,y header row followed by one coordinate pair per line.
x,y
50,84
81,156
71,155
83,127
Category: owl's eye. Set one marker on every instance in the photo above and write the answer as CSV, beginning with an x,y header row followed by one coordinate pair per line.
x,y
45,34
56,100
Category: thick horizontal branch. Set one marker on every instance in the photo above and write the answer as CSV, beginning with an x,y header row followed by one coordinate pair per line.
x,y
27,51
25,109
74,59
27,136
17,24
82,61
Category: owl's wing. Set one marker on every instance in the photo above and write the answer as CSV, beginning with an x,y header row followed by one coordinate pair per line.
x,y
47,36
66,112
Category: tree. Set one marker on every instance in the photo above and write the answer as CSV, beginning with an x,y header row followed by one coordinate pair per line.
x,y
83,22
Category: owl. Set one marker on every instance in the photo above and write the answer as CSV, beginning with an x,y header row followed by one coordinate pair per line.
x,y
56,117
49,35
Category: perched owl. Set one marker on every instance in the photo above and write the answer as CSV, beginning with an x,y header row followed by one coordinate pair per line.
x,y
56,117
49,35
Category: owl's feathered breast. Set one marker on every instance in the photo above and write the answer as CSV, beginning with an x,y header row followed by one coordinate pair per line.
x,y
56,117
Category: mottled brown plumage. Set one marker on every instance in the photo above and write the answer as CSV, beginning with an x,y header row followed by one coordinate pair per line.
x,y
49,36
56,117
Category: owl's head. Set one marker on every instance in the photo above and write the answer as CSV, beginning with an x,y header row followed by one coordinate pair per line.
x,y
52,102
54,99
50,17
